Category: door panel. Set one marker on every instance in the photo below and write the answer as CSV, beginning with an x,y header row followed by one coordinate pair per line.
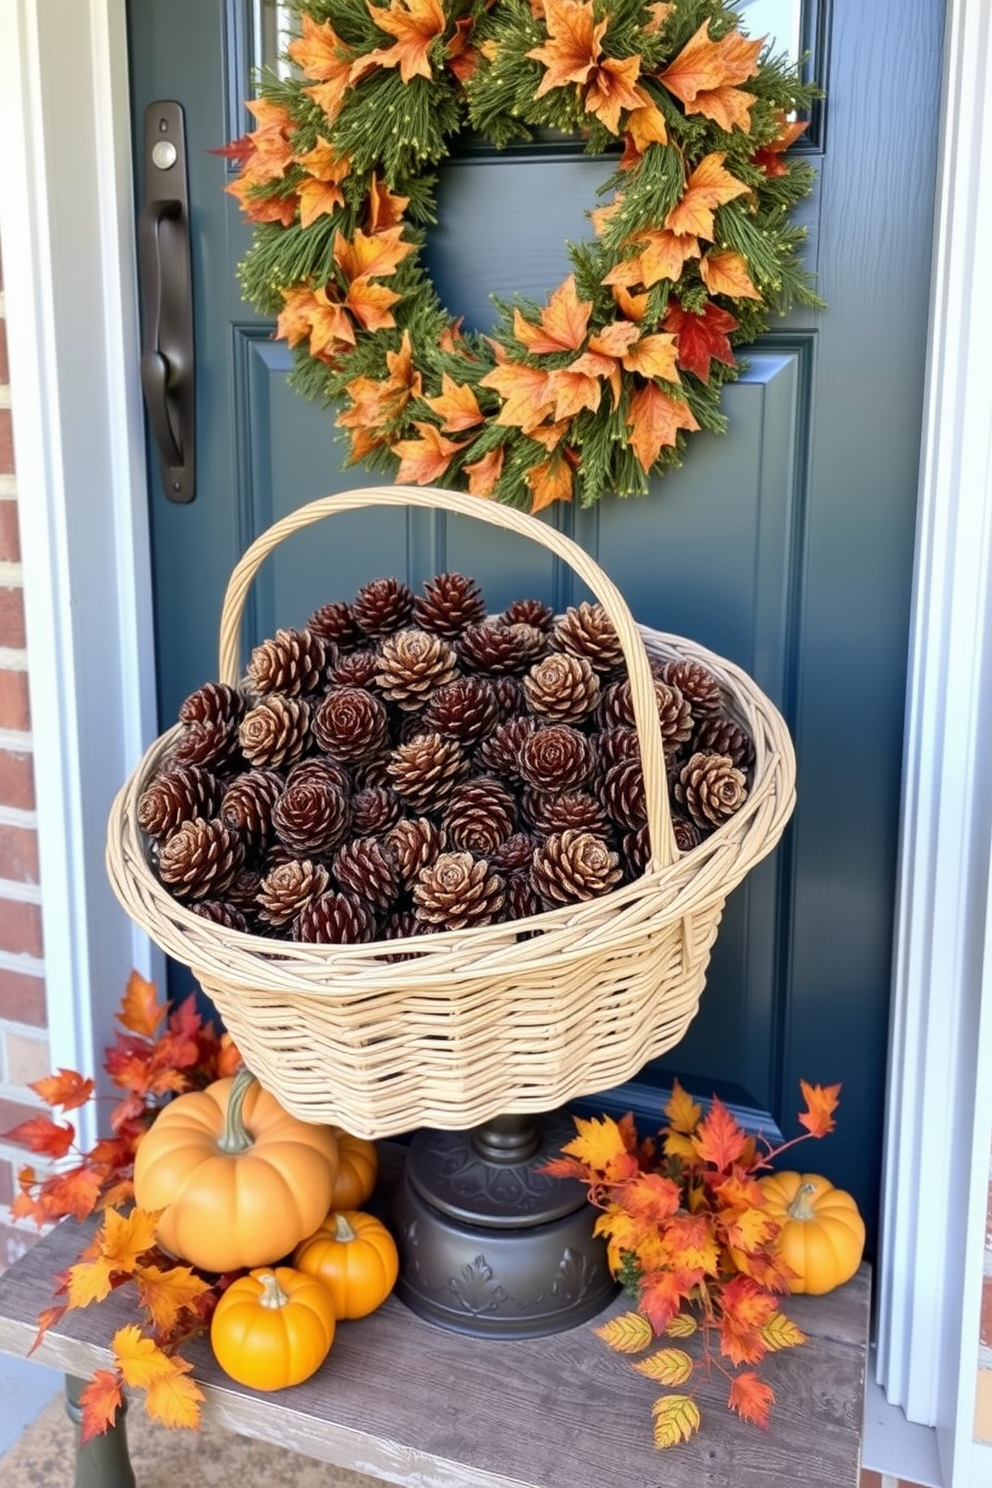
x,y
785,545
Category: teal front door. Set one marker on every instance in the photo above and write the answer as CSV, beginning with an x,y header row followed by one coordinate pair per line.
x,y
785,545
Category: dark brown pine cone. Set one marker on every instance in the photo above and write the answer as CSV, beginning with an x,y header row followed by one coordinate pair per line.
x,y
334,622
501,650
500,753
212,744
292,662
358,669
466,709
382,606
247,806
697,685
402,924
367,869
457,891
711,788
562,688
242,892
335,919
412,664
221,913
350,724
556,758
275,732
414,842
288,888
424,771
177,795
636,852
200,859
570,866
557,811
521,897
374,810
586,630
320,769
311,818
514,855
674,714
687,834
509,696
481,814
722,735
616,744
449,604
529,612
622,792
371,772
214,702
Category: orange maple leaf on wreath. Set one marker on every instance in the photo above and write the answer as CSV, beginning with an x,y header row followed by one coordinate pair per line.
x,y
709,186
705,74
526,391
484,473
563,322
416,25
654,419
572,55
424,460
456,406
550,481
727,274
322,56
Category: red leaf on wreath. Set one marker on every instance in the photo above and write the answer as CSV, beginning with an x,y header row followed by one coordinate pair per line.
x,y
769,157
416,24
751,1398
564,322
701,338
424,460
654,420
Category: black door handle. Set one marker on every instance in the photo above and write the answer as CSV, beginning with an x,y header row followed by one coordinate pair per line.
x,y
168,368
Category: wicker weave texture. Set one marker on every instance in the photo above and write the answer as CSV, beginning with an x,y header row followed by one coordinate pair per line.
x,y
449,1030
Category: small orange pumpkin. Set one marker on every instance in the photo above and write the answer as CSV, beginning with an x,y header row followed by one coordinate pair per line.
x,y
273,1328
358,1169
822,1235
355,1257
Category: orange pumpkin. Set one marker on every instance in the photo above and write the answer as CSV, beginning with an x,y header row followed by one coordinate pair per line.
x,y
822,1235
273,1328
238,1179
355,1257
358,1169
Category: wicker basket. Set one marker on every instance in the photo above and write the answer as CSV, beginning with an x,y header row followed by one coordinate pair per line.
x,y
518,1016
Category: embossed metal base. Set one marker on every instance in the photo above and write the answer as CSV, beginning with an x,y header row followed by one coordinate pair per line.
x,y
490,1246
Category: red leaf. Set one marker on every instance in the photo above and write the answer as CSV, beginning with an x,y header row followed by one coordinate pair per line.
x,y
660,1299
701,338
821,1102
47,1318
101,1400
42,1134
719,1139
66,1089
751,1398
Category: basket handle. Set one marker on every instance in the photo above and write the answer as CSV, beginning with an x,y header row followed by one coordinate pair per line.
x,y
660,835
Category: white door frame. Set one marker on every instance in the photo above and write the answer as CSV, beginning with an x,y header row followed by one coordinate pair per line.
x,y
66,218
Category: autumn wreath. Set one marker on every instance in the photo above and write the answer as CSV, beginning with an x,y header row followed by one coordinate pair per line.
x,y
693,246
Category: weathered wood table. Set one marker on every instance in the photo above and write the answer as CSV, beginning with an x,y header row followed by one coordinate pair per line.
x,y
414,1404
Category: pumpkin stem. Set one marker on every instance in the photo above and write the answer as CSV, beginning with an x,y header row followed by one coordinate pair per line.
x,y
801,1208
343,1230
236,1137
272,1293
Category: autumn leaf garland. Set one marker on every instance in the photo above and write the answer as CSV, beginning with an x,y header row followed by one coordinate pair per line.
x,y
692,251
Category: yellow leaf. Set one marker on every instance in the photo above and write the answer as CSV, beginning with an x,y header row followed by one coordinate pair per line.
x,y
627,1334
676,1418
599,1142
781,1332
141,1011
669,1366
89,1281
416,25
174,1399
141,1360
167,1294
682,1326
682,1111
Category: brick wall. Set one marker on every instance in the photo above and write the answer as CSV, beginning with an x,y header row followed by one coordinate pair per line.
x,y
23,1017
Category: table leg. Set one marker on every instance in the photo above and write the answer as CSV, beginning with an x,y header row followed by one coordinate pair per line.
x,y
103,1462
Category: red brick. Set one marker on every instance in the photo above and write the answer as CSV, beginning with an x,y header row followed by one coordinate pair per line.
x,y
19,854
20,928
8,1181
12,1113
15,706
12,618
4,364
10,537
870,1479
22,999
17,779
6,443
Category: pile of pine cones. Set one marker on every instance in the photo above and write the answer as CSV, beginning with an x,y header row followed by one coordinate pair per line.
x,y
404,765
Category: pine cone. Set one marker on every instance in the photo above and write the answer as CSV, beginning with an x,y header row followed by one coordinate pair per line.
x,y
425,771
556,758
289,888
500,753
247,806
636,852
275,732
334,622
522,899
466,709
586,630
242,892
292,662
570,866
402,924
374,810
720,735
562,688
350,725
616,744
529,612
622,793
697,685
509,696
311,818
414,842
687,834
334,919
368,870
383,606
559,811
514,855
412,664
359,669
212,744
711,788
501,650
200,859
674,714
214,702
481,814
373,772
177,795
220,913
320,769
450,604
457,891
